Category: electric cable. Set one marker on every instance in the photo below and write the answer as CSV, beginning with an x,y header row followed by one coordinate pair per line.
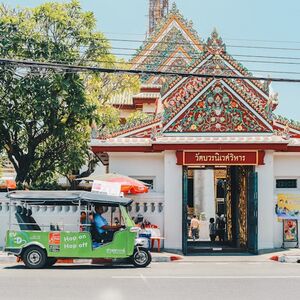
x,y
131,71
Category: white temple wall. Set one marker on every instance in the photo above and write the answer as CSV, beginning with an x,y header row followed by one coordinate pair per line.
x,y
265,203
286,166
144,166
173,202
140,166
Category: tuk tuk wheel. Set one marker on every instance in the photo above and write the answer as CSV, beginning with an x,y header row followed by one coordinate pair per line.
x,y
141,258
34,257
51,261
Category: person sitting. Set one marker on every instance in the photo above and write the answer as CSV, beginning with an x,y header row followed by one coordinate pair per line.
x,y
84,221
195,225
101,231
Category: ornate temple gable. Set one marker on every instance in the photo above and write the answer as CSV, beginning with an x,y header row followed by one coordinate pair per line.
x,y
221,63
216,109
286,127
171,33
216,46
177,62
146,130
214,62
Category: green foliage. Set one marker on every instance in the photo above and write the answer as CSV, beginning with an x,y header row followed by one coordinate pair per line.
x,y
137,118
45,114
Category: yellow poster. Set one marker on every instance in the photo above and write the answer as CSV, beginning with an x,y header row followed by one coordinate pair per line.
x,y
288,206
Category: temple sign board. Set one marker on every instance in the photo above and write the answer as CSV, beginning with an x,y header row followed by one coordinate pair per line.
x,y
204,158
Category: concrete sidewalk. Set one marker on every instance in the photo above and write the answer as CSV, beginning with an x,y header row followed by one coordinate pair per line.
x,y
288,256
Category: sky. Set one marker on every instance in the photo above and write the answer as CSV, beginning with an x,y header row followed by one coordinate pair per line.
x,y
242,24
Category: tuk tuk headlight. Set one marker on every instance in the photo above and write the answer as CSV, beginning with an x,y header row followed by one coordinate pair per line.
x,y
135,229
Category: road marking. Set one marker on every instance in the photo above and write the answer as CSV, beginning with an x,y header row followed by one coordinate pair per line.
x,y
210,277
254,263
222,263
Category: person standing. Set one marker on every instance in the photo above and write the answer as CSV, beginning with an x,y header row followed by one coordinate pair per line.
x,y
195,225
212,229
221,224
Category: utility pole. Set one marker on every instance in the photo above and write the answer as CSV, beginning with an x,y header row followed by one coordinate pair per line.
x,y
158,9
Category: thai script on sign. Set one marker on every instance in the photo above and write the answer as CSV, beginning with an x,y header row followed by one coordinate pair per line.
x,y
220,157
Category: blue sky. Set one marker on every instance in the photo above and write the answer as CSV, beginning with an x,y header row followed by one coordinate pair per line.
x,y
264,23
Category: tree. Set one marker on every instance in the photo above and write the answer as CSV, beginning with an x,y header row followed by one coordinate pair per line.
x,y
137,118
101,88
45,113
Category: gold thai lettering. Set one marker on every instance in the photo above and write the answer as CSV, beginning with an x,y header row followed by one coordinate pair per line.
x,y
215,157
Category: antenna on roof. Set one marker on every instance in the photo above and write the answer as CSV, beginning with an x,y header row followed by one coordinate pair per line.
x,y
158,9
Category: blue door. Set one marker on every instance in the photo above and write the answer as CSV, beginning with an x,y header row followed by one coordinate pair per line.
x,y
252,213
184,209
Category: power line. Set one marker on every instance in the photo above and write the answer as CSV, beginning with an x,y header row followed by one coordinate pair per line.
x,y
176,66
199,57
139,72
223,37
201,44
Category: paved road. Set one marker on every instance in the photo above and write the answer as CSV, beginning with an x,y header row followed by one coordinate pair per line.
x,y
176,280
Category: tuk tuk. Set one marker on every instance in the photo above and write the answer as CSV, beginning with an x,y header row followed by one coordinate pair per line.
x,y
40,245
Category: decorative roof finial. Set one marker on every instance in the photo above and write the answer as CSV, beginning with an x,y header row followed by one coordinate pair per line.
x,y
215,43
174,7
266,85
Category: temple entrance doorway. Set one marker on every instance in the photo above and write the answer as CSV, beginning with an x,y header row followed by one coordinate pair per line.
x,y
223,199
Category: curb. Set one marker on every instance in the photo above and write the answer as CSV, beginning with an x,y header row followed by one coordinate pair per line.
x,y
6,259
286,258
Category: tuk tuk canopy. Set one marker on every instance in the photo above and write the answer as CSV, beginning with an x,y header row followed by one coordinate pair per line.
x,y
67,198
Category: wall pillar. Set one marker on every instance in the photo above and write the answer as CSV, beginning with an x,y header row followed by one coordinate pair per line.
x,y
173,202
265,202
204,193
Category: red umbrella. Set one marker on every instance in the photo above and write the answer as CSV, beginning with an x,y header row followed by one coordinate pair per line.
x,y
7,184
128,185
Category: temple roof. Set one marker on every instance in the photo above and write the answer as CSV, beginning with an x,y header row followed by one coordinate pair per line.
x,y
195,106
173,44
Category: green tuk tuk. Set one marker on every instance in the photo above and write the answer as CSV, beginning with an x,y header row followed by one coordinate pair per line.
x,y
41,245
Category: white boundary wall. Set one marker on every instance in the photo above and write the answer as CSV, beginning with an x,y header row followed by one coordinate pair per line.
x,y
286,166
173,202
265,203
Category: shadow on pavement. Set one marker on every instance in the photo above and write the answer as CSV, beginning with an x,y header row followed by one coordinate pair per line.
x,y
73,267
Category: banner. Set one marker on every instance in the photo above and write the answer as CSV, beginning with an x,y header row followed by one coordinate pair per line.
x,y
290,231
109,188
288,206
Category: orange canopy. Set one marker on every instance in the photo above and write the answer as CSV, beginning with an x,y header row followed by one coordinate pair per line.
x,y
8,184
128,185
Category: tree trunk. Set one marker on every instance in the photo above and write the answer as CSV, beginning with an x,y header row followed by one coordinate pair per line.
x,y
22,173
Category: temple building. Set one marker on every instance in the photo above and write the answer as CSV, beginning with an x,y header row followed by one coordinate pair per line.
x,y
212,147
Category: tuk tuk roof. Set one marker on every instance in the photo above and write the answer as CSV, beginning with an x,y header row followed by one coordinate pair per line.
x,y
67,198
